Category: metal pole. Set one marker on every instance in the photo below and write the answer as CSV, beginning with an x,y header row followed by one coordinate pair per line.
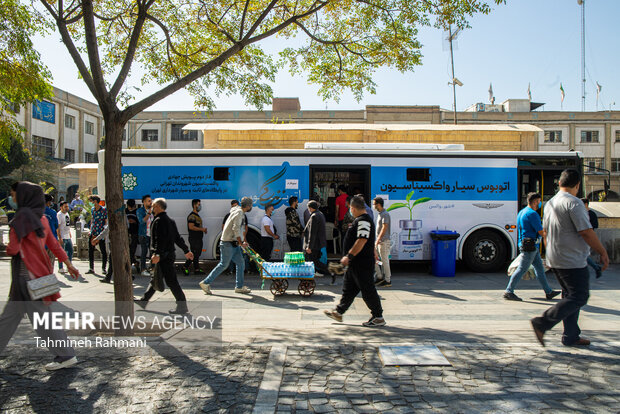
x,y
453,83
583,55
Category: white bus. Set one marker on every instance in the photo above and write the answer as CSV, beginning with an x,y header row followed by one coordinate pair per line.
x,y
425,187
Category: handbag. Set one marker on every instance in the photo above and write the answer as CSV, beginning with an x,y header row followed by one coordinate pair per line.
x,y
40,287
157,280
528,244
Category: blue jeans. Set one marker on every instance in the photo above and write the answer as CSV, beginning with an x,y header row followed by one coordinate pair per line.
x,y
228,253
529,259
67,244
145,242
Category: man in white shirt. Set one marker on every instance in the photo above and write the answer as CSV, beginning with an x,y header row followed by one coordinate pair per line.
x,y
268,233
64,232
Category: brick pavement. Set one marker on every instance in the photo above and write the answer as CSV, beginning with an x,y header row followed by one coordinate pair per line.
x,y
331,367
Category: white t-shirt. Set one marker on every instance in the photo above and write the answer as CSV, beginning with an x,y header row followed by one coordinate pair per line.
x,y
266,221
64,225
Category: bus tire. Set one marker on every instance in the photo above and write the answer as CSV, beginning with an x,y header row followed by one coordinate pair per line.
x,y
485,251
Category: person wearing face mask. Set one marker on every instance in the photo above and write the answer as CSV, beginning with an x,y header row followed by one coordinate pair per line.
x,y
195,233
529,232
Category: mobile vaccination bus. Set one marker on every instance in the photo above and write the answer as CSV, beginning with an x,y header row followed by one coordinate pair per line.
x,y
425,187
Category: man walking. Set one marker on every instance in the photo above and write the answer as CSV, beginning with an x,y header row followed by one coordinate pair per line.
x,y
195,233
268,233
164,235
529,231
341,209
360,258
133,227
145,217
64,232
568,234
230,248
594,222
98,221
293,225
383,244
315,239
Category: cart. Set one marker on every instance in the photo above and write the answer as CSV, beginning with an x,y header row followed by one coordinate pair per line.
x,y
280,283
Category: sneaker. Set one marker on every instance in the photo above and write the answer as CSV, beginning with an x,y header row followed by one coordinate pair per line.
x,y
185,271
62,271
205,288
334,314
199,272
386,284
243,289
105,280
379,282
538,331
146,273
374,322
552,294
59,363
90,272
178,311
317,274
512,296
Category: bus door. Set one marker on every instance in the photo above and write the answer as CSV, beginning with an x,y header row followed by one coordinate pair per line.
x,y
325,180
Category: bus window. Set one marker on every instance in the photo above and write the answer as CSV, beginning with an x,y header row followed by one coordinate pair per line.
x,y
221,174
418,174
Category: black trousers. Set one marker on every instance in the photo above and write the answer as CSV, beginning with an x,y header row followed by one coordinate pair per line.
x,y
195,246
266,246
91,254
166,266
360,279
133,245
315,257
575,293
294,243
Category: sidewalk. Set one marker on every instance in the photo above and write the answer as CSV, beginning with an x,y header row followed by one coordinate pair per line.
x,y
322,366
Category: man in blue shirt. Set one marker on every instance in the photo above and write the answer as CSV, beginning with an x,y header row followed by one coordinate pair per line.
x,y
529,228
51,214
145,217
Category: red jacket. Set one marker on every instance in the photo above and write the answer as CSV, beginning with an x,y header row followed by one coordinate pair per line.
x,y
34,256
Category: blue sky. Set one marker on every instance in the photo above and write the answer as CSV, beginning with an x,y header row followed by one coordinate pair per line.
x,y
525,41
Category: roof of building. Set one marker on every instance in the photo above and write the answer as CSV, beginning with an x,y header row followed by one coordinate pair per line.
x,y
245,126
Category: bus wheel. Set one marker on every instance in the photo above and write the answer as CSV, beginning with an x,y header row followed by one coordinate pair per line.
x,y
485,251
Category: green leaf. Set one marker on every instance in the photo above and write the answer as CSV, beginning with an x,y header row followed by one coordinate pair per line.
x,y
410,195
397,205
420,201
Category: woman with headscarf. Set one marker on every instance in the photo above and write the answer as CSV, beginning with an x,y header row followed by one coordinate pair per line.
x,y
29,235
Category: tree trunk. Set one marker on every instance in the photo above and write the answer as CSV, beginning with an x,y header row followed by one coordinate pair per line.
x,y
119,239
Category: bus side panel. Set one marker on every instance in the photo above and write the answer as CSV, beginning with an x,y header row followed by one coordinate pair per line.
x,y
448,197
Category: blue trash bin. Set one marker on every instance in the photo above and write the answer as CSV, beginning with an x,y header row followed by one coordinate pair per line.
x,y
444,252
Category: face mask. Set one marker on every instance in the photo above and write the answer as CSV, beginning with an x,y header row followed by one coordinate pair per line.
x,y
539,205
198,207
12,203
249,209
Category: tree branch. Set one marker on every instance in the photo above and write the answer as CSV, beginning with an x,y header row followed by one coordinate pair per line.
x,y
90,32
245,12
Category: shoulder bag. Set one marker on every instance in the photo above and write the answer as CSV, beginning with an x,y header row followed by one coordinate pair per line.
x,y
40,287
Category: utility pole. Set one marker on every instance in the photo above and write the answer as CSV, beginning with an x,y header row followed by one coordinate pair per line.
x,y
452,61
582,3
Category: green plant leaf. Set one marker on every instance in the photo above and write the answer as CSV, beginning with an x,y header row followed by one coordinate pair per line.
x,y
397,205
420,201
410,195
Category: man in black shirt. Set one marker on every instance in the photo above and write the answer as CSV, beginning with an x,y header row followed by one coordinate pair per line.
x,y
360,258
164,235
132,227
293,225
314,238
195,232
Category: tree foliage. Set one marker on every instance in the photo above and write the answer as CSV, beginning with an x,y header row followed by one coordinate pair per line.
x,y
23,78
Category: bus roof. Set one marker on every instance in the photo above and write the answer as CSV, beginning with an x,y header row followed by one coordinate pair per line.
x,y
350,152
249,126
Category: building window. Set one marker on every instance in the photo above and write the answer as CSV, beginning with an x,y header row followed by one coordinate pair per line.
x,y
69,121
69,155
592,165
178,134
589,136
44,111
89,128
43,147
553,136
618,135
90,157
124,135
615,165
150,135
